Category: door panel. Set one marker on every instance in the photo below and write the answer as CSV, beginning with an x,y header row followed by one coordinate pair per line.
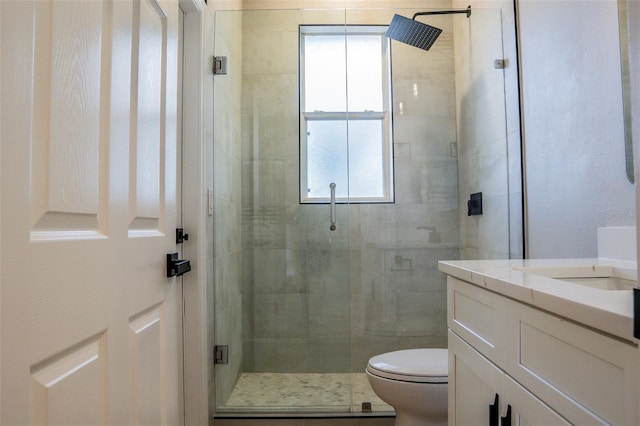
x,y
71,390
90,324
148,371
147,121
66,160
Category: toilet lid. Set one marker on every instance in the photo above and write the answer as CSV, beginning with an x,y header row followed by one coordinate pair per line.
x,y
412,365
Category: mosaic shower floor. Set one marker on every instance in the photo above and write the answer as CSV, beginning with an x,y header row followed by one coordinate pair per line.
x,y
286,392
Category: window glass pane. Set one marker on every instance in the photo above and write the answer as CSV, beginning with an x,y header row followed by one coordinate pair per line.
x,y
324,68
364,61
326,158
366,158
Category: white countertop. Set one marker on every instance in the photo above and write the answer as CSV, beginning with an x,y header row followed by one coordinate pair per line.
x,y
610,311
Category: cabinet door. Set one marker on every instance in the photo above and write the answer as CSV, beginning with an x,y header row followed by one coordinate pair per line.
x,y
474,383
560,361
526,409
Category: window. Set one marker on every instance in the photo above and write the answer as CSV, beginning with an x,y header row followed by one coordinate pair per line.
x,y
345,119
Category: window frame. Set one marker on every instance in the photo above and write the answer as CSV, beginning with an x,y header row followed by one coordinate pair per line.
x,y
385,116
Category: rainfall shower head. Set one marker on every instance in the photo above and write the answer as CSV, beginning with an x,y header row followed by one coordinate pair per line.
x,y
414,33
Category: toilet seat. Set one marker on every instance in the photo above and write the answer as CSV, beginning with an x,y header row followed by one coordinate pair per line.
x,y
412,365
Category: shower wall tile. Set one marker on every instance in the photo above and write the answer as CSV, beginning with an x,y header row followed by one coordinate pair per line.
x,y
427,138
282,316
227,223
263,92
415,270
418,62
328,313
246,186
248,324
411,309
327,271
281,355
369,277
269,52
228,274
494,169
329,354
431,182
275,273
269,181
409,226
268,223
401,150
227,177
248,354
424,96
479,233
273,20
308,226
277,135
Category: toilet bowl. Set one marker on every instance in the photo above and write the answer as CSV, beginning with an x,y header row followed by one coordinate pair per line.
x,y
414,382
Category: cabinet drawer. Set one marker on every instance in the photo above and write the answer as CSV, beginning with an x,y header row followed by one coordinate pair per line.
x,y
476,315
588,376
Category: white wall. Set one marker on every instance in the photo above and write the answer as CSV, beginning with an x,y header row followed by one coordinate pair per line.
x,y
574,150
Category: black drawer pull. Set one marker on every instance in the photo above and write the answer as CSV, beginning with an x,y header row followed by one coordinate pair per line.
x,y
494,416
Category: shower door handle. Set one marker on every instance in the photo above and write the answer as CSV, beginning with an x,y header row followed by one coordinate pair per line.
x,y
332,186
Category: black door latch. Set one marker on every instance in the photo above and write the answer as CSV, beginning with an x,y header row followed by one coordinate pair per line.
x,y
175,266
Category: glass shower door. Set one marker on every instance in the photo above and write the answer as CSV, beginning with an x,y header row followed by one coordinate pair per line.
x,y
281,274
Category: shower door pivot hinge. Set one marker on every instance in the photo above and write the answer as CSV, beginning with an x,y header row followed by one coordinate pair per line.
x,y
219,65
221,354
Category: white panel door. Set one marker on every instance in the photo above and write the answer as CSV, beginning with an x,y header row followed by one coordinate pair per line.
x,y
91,331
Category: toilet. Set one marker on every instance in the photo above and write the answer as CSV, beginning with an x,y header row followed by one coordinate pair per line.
x,y
414,382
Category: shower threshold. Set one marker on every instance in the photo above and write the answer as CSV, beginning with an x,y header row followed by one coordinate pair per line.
x,y
302,394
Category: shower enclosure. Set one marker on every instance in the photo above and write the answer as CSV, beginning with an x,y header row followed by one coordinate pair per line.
x,y
299,308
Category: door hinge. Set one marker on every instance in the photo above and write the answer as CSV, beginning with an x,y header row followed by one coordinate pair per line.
x,y
219,65
221,354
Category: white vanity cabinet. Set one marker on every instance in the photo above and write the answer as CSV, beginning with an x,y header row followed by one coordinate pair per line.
x,y
544,369
482,394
